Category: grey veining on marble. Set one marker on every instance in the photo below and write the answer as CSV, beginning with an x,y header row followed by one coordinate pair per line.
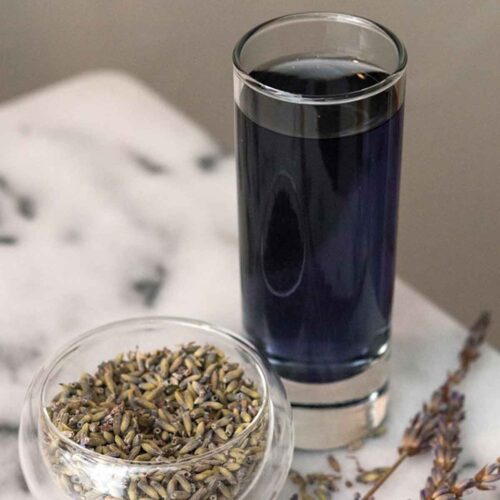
x,y
112,205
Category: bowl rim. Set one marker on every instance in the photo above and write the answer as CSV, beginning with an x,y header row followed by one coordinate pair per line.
x,y
143,321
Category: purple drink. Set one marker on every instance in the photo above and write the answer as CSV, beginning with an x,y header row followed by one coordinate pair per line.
x,y
318,226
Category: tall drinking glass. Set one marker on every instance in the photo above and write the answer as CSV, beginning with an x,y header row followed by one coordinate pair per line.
x,y
319,119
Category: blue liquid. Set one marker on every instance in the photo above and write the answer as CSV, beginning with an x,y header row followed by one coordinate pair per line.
x,y
318,218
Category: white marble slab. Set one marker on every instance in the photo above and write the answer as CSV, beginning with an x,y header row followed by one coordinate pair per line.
x,y
104,186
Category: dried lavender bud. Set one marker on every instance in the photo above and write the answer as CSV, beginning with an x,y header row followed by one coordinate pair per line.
x,y
334,463
372,476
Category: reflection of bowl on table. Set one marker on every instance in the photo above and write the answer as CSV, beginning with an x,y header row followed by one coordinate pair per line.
x,y
253,463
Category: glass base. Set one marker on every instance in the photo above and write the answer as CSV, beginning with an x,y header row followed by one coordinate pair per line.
x,y
336,414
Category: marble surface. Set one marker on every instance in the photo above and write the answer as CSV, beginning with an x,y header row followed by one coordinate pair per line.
x,y
112,205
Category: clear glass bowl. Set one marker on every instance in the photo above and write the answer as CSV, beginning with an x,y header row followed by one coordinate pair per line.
x,y
56,467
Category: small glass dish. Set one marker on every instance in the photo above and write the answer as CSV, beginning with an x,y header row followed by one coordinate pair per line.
x,y
56,467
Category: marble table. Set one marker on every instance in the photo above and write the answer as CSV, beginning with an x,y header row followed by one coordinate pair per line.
x,y
113,204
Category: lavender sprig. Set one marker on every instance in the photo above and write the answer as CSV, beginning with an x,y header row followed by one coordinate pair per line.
x,y
446,446
482,481
423,427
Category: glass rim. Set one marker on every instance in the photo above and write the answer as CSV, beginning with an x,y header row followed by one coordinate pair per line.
x,y
67,349
357,95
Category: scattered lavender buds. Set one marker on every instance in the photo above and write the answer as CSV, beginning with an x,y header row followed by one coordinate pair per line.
x,y
316,486
154,412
